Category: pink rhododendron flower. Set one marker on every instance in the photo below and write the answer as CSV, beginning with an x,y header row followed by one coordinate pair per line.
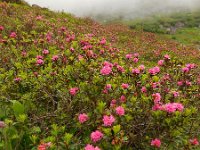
x,y
73,91
106,70
135,60
91,147
135,71
136,55
160,62
122,99
39,17
120,111
167,57
154,70
113,103
1,28
188,83
179,106
39,57
108,86
2,124
13,35
80,57
124,86
108,120
194,141
106,63
129,56
18,79
44,146
96,136
103,41
120,69
45,52
156,98
141,67
55,58
185,70
157,107
172,107
180,83
102,51
190,66
144,89
24,53
156,143
83,118
40,62
72,49
155,85
175,94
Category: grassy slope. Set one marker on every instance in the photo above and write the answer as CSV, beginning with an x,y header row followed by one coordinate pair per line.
x,y
189,34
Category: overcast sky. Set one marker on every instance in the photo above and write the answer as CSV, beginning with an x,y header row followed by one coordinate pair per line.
x,y
131,8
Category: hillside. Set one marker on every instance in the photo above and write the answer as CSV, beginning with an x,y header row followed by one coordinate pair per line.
x,y
183,26
72,83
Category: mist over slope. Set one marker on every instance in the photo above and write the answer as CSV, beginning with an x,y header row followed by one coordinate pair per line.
x,y
127,9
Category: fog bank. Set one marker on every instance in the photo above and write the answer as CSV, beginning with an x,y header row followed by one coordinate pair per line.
x,y
117,8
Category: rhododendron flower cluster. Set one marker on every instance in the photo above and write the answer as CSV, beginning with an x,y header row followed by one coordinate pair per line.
x,y
18,79
160,62
103,41
2,124
83,118
123,99
135,71
91,147
129,56
44,146
169,107
13,35
120,111
156,143
135,60
143,89
154,70
96,136
194,141
1,28
141,68
124,86
175,93
73,91
120,69
55,58
156,97
108,120
167,57
45,52
107,68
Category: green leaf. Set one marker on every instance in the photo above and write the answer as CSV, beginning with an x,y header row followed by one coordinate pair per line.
x,y
101,106
107,131
67,138
18,108
116,128
155,78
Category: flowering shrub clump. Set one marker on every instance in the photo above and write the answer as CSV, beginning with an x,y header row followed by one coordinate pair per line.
x,y
68,83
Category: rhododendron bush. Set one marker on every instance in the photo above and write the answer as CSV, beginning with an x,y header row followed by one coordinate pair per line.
x,y
62,88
